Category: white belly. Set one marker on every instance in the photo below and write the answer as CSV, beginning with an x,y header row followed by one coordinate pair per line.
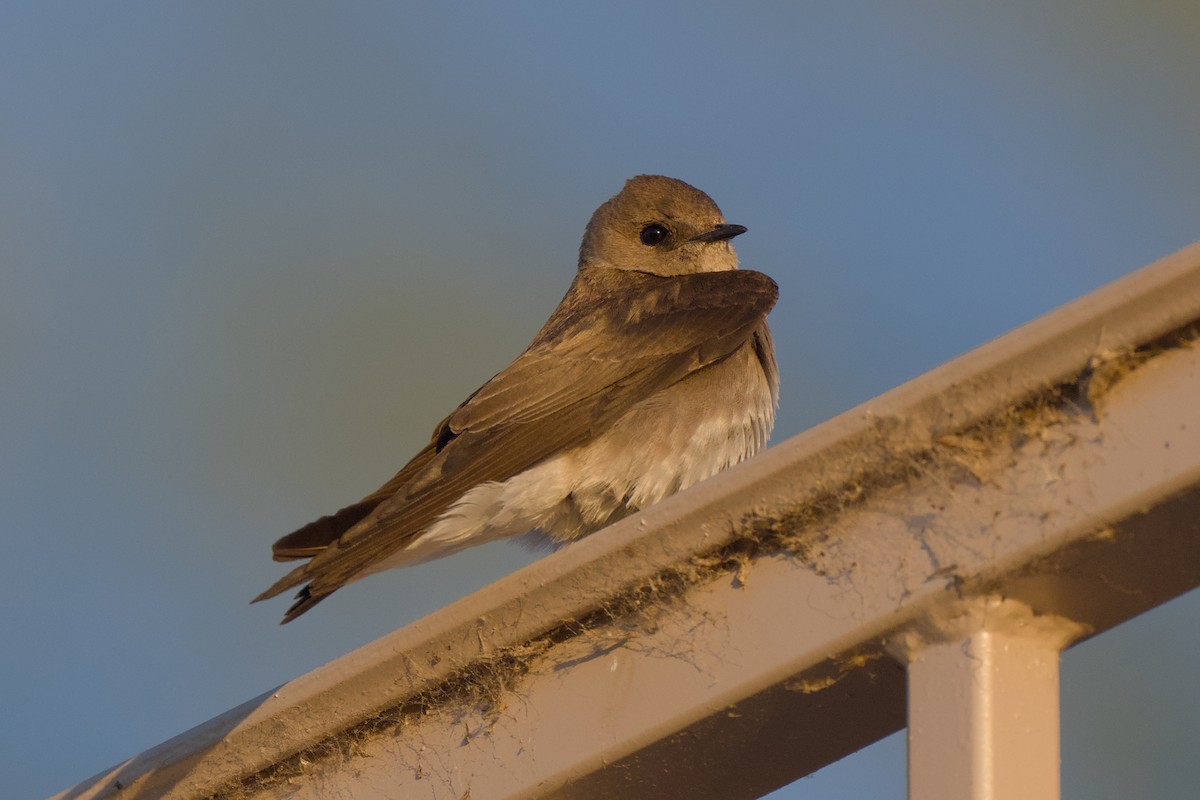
x,y
691,431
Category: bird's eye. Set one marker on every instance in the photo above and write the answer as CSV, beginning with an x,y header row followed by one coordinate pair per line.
x,y
654,234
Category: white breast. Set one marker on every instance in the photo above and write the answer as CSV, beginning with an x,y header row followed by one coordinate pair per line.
x,y
711,420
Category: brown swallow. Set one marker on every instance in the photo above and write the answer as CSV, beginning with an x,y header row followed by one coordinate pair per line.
x,y
656,371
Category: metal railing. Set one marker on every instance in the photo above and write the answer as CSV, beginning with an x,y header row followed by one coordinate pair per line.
x,y
919,560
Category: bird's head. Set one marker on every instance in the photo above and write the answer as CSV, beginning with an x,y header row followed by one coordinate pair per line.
x,y
662,226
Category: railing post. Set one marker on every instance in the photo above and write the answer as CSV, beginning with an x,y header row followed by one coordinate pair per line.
x,y
983,704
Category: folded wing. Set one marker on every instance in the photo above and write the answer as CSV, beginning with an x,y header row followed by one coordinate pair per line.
x,y
617,338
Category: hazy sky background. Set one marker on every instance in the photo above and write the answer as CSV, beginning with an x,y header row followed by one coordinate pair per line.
x,y
250,254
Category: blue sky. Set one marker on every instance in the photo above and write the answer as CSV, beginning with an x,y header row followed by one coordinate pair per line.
x,y
251,253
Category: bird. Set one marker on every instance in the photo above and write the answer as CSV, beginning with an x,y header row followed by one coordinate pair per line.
x,y
656,371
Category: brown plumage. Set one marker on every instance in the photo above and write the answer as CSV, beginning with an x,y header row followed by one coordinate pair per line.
x,y
652,312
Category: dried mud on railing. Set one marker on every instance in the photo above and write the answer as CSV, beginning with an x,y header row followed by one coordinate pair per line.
x,y
972,454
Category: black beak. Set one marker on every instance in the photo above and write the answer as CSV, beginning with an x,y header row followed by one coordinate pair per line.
x,y
720,233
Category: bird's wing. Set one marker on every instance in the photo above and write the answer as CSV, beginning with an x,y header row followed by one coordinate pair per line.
x,y
314,537
617,338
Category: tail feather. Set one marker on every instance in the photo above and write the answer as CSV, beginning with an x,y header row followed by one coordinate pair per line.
x,y
291,580
314,537
305,600
307,542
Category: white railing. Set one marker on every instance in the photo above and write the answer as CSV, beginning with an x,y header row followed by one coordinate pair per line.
x,y
939,545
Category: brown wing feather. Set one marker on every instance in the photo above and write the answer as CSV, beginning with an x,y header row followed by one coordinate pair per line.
x,y
616,338
307,541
